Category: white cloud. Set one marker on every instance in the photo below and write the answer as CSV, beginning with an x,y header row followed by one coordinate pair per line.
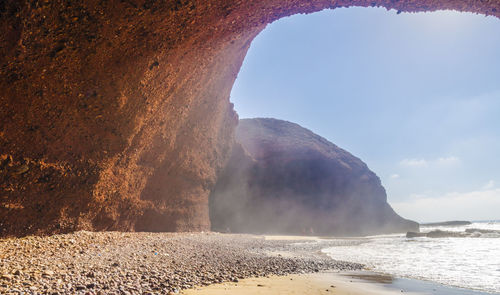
x,y
475,205
448,160
414,162
441,161
489,185
418,196
395,176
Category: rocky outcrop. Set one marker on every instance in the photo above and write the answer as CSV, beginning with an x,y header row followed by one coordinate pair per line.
x,y
282,178
115,114
467,233
447,223
435,234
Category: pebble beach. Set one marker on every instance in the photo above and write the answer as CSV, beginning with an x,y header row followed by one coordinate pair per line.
x,y
151,263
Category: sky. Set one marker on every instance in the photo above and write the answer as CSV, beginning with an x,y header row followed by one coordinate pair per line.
x,y
415,96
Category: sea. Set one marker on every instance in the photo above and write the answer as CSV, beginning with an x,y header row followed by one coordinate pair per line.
x,y
470,262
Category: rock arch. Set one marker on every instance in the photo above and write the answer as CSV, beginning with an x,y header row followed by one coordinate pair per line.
x,y
115,114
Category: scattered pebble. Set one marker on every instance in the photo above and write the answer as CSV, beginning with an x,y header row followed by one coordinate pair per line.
x,y
149,263
48,273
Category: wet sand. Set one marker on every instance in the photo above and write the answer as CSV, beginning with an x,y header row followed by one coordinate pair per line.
x,y
332,282
324,283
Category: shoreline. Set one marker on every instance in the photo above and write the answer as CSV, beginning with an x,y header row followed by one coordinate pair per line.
x,y
361,282
405,285
322,283
168,263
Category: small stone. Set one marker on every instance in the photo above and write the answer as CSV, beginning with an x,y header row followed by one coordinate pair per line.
x,y
7,277
17,273
79,288
21,170
48,273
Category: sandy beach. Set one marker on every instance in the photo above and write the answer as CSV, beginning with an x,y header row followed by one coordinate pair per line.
x,y
361,282
323,283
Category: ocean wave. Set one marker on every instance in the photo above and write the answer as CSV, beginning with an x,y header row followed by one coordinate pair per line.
x,y
470,261
467,233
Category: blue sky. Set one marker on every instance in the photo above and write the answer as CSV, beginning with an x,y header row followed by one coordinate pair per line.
x,y
415,96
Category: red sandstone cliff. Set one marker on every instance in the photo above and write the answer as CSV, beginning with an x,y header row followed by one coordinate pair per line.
x,y
282,178
115,114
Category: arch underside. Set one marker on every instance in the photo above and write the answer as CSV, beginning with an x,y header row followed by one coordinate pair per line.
x,y
116,114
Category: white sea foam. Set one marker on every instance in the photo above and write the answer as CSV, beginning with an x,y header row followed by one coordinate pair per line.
x,y
468,262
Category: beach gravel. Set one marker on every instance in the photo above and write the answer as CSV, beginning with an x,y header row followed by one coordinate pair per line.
x,y
150,263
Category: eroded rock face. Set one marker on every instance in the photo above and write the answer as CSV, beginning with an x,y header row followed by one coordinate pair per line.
x,y
115,114
282,178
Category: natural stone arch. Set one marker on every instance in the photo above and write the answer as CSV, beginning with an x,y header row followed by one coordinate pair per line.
x,y
116,114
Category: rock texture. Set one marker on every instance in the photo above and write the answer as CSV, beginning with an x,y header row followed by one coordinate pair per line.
x,y
90,263
115,114
283,178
